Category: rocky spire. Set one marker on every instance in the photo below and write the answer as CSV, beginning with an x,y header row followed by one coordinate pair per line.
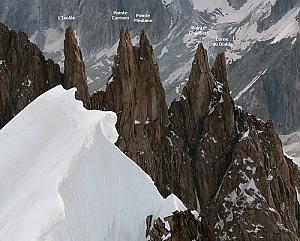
x,y
204,150
74,75
200,85
204,120
135,93
25,73
219,71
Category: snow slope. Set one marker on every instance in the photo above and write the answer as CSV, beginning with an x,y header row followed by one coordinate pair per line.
x,y
210,6
291,146
244,24
63,179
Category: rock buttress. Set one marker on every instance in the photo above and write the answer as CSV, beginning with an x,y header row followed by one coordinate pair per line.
x,y
74,73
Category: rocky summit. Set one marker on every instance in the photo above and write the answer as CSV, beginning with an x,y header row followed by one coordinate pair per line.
x,y
225,164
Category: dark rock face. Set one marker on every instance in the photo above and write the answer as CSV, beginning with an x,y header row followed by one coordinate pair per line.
x,y
274,93
135,93
74,75
236,4
217,158
280,8
181,226
24,73
257,195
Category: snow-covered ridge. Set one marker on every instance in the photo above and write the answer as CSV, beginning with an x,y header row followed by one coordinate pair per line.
x,y
64,179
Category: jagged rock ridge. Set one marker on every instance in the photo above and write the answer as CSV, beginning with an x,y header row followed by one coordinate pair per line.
x,y
13,46
25,73
217,158
169,31
74,72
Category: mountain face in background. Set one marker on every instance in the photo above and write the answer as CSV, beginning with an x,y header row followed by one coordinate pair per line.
x,y
255,34
273,93
217,158
92,20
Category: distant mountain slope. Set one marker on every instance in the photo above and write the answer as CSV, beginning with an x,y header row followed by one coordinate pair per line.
x,y
273,91
177,28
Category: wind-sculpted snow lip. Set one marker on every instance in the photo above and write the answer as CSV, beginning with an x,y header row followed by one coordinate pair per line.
x,y
64,179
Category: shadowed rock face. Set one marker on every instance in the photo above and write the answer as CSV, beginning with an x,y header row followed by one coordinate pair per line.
x,y
237,4
181,226
278,10
74,74
217,158
24,73
257,195
275,93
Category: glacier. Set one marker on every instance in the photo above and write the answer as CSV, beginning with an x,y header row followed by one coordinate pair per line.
x,y
64,179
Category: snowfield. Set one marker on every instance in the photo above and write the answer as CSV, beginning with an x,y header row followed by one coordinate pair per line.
x,y
211,5
63,179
